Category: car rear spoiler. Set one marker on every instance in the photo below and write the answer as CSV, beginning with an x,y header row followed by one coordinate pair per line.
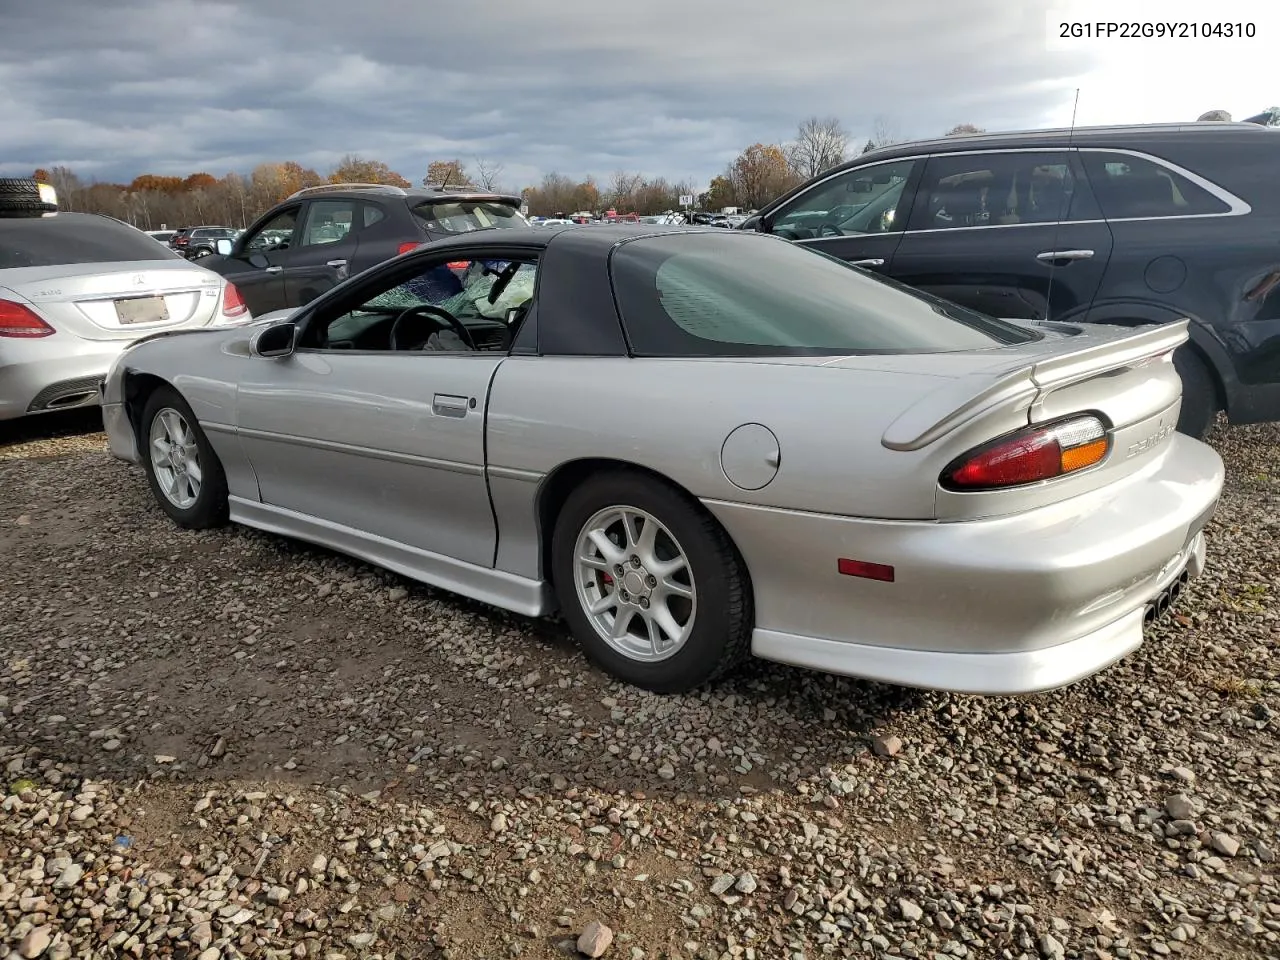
x,y
943,411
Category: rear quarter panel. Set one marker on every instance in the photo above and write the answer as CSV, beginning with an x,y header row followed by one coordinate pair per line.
x,y
673,417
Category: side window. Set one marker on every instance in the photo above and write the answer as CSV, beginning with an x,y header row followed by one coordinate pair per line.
x,y
860,201
437,308
328,221
372,213
275,234
1000,189
1129,186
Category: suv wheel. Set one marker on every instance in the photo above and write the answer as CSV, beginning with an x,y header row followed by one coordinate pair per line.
x,y
1199,393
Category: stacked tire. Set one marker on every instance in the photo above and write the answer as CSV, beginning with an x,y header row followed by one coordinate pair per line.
x,y
21,197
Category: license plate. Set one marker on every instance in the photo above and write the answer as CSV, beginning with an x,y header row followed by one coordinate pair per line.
x,y
142,310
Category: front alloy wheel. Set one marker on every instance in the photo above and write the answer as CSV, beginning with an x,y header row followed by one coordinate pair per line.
x,y
175,458
182,469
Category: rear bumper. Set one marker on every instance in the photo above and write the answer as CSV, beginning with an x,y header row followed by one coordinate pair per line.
x,y
1016,604
53,373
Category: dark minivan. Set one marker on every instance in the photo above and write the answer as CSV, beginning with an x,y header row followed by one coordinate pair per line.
x,y
1124,225
319,236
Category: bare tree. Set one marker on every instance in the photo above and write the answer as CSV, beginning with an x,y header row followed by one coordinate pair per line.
x,y
820,144
883,133
964,129
622,192
488,172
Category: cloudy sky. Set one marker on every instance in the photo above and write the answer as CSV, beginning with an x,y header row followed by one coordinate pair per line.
x,y
114,88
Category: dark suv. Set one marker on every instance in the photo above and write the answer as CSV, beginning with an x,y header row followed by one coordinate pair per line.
x,y
319,236
1124,225
203,241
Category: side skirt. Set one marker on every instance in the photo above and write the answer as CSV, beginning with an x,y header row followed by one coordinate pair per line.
x,y
532,598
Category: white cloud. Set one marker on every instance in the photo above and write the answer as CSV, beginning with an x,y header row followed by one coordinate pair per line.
x,y
665,87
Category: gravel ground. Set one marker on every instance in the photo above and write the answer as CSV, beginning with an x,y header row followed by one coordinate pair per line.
x,y
228,744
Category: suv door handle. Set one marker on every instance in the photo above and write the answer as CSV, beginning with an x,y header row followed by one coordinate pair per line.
x,y
273,270
1049,256
449,405
340,267
872,262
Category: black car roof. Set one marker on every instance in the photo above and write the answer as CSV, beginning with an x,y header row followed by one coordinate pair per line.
x,y
1108,136
358,190
598,239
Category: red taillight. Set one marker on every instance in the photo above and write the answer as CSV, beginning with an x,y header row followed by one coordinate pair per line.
x,y
458,264
407,246
233,304
1030,456
17,320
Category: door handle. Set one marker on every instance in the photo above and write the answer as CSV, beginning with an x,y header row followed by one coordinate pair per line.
x,y
1049,256
273,270
449,405
340,266
872,262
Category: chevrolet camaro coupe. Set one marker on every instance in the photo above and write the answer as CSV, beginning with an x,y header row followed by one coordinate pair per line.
x,y
698,444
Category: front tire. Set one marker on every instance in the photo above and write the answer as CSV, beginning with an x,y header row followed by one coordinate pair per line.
x,y
1199,393
184,473
650,584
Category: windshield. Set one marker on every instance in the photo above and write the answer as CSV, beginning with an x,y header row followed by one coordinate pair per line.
x,y
463,216
749,295
70,238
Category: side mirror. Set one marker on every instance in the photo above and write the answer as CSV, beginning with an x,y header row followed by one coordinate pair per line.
x,y
259,261
274,341
222,247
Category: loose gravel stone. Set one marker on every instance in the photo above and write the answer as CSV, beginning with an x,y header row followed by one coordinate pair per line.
x,y
595,939
309,764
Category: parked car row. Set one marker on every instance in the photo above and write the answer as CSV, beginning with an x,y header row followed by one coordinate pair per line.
x,y
76,289
1119,225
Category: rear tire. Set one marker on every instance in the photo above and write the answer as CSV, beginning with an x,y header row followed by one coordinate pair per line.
x,y
683,589
1199,393
185,475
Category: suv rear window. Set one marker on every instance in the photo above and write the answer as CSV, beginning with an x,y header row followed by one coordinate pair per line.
x,y
1128,186
72,238
699,294
463,216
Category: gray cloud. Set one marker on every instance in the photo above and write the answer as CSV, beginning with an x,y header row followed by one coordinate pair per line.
x,y
173,86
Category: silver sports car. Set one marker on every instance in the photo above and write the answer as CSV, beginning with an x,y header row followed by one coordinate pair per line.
x,y
698,444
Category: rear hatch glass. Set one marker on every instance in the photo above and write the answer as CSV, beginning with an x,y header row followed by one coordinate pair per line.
x,y
464,216
72,238
733,294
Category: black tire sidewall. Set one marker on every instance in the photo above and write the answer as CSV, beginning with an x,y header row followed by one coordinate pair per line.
x,y
714,566
210,508
1199,398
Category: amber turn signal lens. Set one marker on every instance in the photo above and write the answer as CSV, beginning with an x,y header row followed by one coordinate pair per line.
x,y
1085,455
